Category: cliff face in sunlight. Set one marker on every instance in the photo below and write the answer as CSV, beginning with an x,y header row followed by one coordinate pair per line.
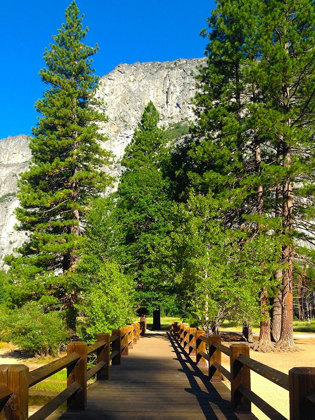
x,y
125,92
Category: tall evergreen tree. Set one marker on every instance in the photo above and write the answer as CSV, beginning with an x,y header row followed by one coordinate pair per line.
x,y
65,172
143,208
253,144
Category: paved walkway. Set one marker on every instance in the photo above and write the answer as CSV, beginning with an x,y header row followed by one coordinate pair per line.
x,y
155,381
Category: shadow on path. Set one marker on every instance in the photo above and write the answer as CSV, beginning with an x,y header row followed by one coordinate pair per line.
x,y
211,395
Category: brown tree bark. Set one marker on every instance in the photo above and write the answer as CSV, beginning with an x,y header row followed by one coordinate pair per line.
x,y
264,344
286,341
276,315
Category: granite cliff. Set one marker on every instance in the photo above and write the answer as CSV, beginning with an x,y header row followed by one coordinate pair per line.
x,y
125,92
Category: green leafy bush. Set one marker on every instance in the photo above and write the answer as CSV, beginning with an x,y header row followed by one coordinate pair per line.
x,y
33,330
107,302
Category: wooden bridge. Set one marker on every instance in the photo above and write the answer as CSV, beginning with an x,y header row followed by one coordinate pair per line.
x,y
176,375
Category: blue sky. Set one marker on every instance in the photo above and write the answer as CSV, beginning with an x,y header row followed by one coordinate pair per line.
x,y
125,30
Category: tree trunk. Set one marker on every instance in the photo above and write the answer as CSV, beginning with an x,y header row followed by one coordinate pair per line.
x,y
286,341
248,333
156,320
264,344
276,315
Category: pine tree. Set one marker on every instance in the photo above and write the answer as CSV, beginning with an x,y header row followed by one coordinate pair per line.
x,y
66,169
253,144
143,208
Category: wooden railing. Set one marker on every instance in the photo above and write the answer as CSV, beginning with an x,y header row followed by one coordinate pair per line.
x,y
15,380
300,382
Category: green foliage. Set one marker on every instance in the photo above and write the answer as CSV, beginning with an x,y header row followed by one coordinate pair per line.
x,y
176,131
106,297
143,209
66,169
4,280
251,150
6,196
33,330
108,302
219,272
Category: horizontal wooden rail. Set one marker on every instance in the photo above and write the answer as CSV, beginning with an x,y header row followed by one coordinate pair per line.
x,y
94,370
223,349
300,382
45,371
108,349
204,339
273,375
222,369
95,347
114,354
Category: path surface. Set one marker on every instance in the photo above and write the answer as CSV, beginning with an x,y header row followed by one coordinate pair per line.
x,y
155,381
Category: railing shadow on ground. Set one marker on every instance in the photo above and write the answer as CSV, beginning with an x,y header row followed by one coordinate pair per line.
x,y
211,401
300,382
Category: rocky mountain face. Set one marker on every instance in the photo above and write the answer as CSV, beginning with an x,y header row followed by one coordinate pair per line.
x,y
14,159
125,92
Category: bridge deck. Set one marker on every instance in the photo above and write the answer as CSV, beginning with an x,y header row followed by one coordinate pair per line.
x,y
156,381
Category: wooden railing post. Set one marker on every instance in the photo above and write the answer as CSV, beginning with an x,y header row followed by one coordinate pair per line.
x,y
135,334
137,331
214,356
77,373
103,355
16,378
186,336
181,333
116,346
200,347
130,337
124,340
302,383
240,375
192,340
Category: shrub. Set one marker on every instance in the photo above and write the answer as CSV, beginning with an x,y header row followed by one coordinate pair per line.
x,y
33,330
107,305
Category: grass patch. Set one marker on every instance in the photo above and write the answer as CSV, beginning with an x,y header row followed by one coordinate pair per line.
x,y
304,326
166,322
53,385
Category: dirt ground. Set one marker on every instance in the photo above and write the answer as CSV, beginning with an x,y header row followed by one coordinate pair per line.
x,y
273,394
